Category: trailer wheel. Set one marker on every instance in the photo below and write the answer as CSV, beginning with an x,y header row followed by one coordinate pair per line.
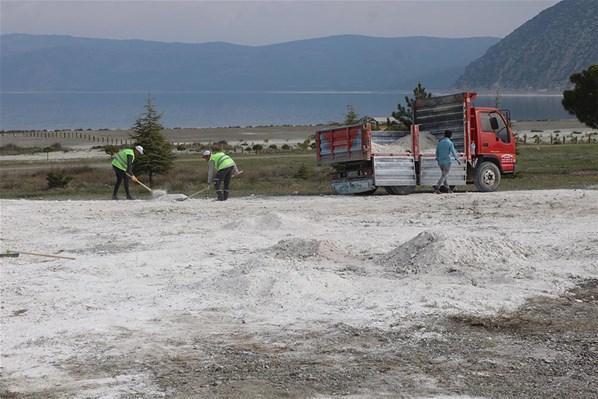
x,y
487,177
399,190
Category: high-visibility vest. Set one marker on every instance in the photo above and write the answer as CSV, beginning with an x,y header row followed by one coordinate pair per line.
x,y
221,160
120,159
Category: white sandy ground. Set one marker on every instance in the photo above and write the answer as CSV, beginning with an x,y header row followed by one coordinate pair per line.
x,y
149,274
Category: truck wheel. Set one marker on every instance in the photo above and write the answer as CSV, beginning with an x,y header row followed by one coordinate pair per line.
x,y
487,177
399,190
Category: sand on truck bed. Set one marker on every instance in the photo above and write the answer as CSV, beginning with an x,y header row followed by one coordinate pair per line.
x,y
427,296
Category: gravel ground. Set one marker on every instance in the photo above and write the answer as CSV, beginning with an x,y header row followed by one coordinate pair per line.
x,y
425,296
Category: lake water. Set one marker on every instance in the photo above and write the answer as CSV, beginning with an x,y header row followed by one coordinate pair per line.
x,y
210,109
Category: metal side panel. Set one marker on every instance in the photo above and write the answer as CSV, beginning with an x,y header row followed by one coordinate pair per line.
x,y
394,171
352,186
430,172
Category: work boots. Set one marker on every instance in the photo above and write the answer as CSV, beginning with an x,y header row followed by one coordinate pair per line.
x,y
220,195
225,196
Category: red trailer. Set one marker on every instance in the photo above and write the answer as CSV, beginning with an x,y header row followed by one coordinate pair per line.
x,y
400,160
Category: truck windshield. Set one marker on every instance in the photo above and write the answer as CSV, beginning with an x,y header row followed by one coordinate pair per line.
x,y
502,133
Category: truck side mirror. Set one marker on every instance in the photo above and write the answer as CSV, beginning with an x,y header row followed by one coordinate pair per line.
x,y
493,123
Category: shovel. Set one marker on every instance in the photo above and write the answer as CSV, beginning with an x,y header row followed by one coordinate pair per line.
x,y
155,193
202,190
194,194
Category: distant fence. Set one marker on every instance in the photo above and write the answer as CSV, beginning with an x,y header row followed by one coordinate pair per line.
x,y
73,135
556,138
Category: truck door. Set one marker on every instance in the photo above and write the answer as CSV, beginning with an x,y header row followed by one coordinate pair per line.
x,y
497,140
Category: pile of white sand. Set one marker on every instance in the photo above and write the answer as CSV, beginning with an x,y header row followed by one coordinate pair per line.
x,y
427,144
298,248
399,146
435,252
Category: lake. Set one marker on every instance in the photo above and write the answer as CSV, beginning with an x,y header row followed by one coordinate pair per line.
x,y
210,109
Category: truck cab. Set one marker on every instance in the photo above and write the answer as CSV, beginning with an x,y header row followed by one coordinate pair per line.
x,y
494,142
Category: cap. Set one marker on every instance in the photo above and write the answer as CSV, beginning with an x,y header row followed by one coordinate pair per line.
x,y
139,149
207,153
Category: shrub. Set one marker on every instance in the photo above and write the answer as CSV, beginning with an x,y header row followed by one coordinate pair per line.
x,y
58,179
302,172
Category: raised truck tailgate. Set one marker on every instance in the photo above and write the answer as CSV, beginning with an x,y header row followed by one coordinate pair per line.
x,y
347,143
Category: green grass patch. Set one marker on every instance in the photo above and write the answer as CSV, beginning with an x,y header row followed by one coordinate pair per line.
x,y
539,166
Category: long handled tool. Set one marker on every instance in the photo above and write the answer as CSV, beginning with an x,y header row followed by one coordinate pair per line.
x,y
201,191
154,193
140,183
14,254
194,194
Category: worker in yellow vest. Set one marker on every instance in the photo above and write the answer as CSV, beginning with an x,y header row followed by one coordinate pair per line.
x,y
123,168
224,167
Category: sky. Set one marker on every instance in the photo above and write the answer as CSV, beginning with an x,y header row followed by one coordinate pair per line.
x,y
265,22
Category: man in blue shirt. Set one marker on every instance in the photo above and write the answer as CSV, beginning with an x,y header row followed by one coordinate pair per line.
x,y
444,149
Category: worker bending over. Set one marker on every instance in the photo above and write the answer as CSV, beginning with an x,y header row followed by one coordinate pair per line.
x,y
225,168
123,168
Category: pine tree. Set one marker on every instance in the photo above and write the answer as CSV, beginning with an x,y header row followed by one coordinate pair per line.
x,y
582,100
157,158
404,114
351,117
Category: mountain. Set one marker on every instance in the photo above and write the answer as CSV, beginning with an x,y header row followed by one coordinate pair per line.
x,y
542,53
60,63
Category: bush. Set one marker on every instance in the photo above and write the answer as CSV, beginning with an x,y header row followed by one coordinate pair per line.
x,y
54,147
58,179
302,172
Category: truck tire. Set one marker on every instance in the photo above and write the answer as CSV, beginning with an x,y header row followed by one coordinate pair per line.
x,y
399,190
487,177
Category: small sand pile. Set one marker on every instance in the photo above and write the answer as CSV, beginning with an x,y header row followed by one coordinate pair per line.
x,y
431,251
298,248
427,144
162,195
398,146
159,193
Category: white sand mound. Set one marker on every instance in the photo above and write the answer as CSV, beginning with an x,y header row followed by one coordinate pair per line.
x,y
298,248
433,251
427,142
398,146
164,196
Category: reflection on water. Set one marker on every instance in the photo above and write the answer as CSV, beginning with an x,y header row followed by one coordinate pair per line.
x,y
204,109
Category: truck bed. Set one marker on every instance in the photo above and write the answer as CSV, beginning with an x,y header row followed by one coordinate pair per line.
x,y
358,143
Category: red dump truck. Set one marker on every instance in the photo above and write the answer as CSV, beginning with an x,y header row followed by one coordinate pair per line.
x,y
366,159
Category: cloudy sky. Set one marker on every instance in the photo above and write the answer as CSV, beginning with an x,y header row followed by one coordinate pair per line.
x,y
264,22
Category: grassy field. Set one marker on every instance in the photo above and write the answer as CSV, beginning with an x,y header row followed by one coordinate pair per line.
x,y
540,167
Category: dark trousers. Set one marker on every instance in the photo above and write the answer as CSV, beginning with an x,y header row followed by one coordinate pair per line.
x,y
121,176
223,176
